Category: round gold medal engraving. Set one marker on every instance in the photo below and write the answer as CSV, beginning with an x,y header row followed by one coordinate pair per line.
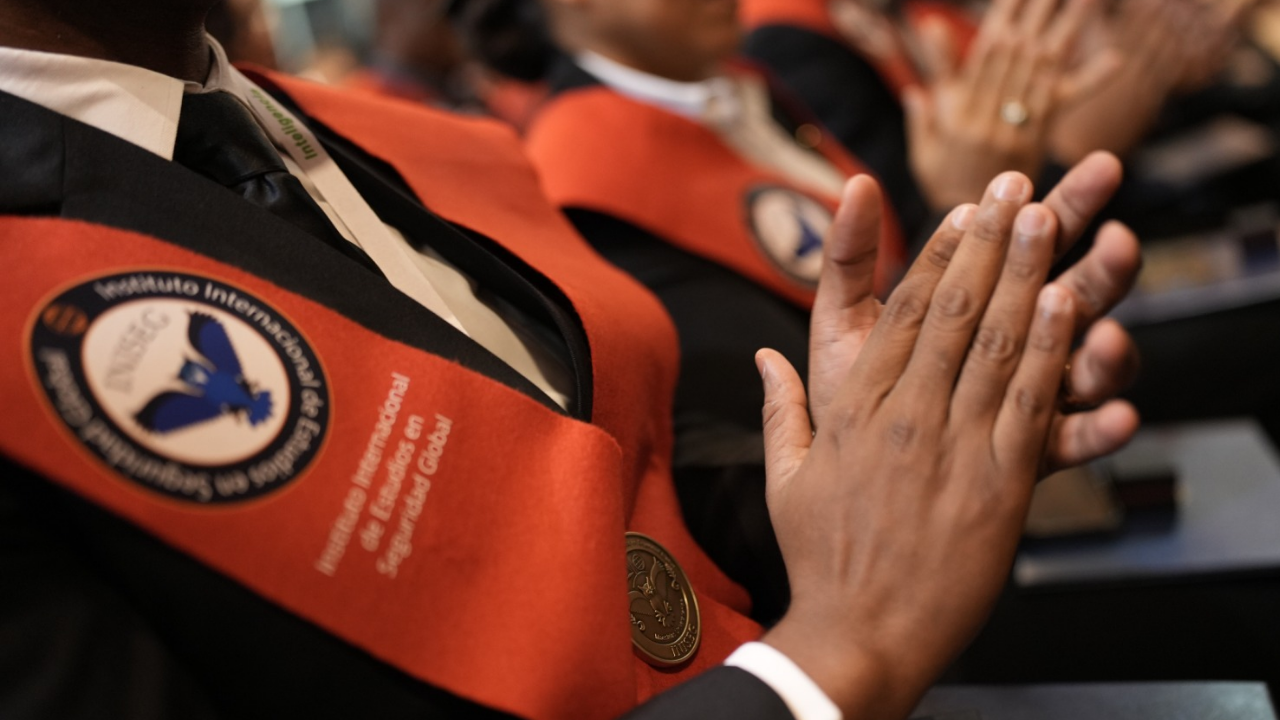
x,y
665,627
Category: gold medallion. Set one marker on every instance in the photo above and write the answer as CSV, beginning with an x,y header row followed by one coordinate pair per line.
x,y
665,627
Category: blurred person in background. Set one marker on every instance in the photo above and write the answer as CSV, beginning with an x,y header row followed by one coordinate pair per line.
x,y
244,30
698,179
1194,111
419,55
714,188
1170,49
1176,89
935,99
416,56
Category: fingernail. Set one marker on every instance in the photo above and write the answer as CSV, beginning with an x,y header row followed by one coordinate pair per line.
x,y
962,217
849,186
1010,187
1053,300
1031,222
762,367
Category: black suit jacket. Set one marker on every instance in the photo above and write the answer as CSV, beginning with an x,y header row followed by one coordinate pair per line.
x,y
722,319
98,619
853,102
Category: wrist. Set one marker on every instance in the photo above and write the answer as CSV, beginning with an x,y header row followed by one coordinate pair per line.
x,y
863,682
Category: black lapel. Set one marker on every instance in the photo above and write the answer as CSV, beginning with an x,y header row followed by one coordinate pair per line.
x,y
566,75
490,264
53,165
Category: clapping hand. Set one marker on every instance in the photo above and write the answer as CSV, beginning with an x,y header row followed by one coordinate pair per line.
x,y
992,111
898,486
846,309
1163,46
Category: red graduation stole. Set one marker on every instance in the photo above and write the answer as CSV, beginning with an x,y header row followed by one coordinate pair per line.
x,y
598,150
812,15
368,80
444,523
511,101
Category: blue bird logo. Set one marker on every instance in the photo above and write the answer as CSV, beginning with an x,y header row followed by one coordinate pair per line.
x,y
214,385
810,241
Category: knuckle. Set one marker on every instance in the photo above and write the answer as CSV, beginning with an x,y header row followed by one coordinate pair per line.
x,y
989,227
1089,290
954,302
1074,207
1022,268
940,361
771,413
1042,340
1029,402
984,499
1048,52
939,254
994,345
843,421
901,433
905,311
1083,441
855,260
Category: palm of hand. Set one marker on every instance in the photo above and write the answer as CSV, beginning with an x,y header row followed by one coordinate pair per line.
x,y
990,111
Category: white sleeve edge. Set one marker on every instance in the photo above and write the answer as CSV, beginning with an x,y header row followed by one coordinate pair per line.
x,y
802,696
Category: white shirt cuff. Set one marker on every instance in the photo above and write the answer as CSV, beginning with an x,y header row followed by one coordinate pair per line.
x,y
802,696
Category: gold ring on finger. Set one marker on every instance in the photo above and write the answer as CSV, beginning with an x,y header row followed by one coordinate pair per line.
x,y
1069,402
1014,113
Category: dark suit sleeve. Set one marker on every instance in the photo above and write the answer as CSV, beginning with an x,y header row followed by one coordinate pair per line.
x,y
726,693
847,94
71,645
99,620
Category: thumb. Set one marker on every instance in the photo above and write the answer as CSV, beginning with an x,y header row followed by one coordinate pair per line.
x,y
845,308
847,283
787,431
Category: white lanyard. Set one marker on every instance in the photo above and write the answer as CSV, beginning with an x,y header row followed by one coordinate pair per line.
x,y
390,255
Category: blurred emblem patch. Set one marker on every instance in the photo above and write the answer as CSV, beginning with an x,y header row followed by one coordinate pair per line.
x,y
789,227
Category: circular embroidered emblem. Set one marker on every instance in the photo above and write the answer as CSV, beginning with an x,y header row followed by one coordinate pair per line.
x,y
789,226
665,626
185,385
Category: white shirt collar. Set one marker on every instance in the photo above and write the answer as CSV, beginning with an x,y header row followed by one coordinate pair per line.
x,y
695,100
132,103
